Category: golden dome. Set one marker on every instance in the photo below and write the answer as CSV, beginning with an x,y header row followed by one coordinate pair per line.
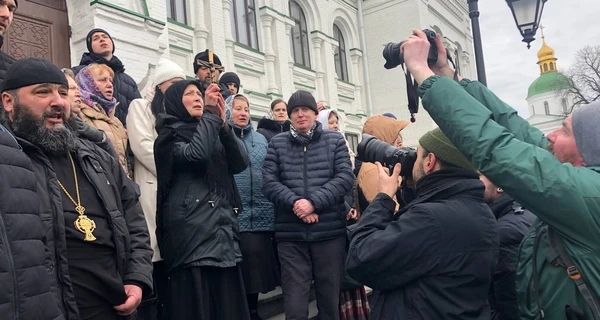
x,y
545,52
546,58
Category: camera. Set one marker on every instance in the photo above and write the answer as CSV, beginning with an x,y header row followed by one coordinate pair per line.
x,y
372,150
393,57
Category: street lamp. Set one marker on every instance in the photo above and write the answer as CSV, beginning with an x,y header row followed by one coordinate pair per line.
x,y
474,15
527,14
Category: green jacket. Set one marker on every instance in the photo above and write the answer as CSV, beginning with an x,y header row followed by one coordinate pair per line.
x,y
513,154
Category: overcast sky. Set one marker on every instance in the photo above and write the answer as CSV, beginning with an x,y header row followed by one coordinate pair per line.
x,y
510,66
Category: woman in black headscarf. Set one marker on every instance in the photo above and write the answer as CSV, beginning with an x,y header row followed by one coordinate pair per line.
x,y
196,156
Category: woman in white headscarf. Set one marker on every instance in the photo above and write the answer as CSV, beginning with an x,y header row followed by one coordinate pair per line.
x,y
331,120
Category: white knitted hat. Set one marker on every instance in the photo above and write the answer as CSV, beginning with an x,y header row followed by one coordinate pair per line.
x,y
167,70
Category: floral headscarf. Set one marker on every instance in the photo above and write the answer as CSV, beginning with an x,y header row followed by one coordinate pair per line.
x,y
91,94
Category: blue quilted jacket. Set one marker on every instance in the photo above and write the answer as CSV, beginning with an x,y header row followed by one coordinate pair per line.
x,y
320,172
258,214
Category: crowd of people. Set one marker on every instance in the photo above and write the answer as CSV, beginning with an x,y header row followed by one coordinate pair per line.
x,y
173,206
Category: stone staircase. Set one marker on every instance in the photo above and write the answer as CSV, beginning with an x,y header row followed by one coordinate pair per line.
x,y
270,305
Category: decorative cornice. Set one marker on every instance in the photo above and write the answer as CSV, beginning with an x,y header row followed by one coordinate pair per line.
x,y
453,8
119,8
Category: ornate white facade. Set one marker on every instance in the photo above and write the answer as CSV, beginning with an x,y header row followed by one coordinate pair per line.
x,y
143,32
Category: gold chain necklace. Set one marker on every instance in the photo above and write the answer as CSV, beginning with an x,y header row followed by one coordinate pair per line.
x,y
83,224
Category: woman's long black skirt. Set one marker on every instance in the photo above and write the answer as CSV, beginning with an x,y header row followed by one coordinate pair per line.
x,y
259,265
207,293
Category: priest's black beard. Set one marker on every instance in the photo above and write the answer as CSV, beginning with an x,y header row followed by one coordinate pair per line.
x,y
56,141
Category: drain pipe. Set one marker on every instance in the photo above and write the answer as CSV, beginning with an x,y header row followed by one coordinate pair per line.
x,y
363,43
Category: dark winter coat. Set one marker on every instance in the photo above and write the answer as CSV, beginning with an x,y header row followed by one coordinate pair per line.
x,y
270,128
435,258
195,225
118,193
258,213
125,88
513,223
5,62
26,271
320,172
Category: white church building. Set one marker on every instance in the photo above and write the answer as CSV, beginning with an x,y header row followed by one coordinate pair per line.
x,y
332,48
548,107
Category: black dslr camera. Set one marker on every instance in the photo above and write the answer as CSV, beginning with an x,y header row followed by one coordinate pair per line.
x,y
393,57
372,150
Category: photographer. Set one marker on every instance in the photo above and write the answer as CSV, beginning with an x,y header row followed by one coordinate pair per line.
x,y
555,177
434,258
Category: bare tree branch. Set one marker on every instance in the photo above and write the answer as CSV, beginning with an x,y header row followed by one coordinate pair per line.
x,y
583,77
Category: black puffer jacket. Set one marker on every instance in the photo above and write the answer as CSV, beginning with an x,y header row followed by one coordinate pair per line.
x,y
513,224
5,62
270,128
196,226
118,193
320,172
435,258
26,273
125,88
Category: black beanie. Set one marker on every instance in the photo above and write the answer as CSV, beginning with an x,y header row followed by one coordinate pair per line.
x,y
228,77
203,56
302,98
88,39
29,71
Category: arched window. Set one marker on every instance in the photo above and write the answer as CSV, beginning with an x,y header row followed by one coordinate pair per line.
x,y
551,66
545,67
546,107
457,62
243,22
341,65
299,35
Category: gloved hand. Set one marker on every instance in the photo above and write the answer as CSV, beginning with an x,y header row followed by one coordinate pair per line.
x,y
88,132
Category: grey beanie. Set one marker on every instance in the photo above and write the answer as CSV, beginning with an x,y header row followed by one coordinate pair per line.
x,y
586,128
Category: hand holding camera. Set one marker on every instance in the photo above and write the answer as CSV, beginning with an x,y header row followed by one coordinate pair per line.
x,y
388,184
416,51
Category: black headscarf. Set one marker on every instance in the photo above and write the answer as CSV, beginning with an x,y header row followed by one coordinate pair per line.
x,y
176,124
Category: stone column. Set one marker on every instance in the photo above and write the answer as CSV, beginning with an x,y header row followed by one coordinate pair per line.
x,y
229,64
200,30
291,63
267,23
320,74
356,57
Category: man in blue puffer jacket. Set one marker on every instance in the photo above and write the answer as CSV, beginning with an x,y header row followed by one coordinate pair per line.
x,y
256,221
306,175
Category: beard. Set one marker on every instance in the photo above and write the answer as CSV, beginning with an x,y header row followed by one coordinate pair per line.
x,y
57,140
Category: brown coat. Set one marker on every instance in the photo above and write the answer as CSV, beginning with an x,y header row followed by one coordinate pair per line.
x,y
387,130
111,125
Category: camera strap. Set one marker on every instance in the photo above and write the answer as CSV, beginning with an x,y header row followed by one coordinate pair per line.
x,y
412,93
412,88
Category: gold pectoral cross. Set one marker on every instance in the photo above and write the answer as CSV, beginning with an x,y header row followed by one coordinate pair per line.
x,y
84,224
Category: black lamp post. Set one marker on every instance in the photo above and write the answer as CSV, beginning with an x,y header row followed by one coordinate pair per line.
x,y
527,14
474,15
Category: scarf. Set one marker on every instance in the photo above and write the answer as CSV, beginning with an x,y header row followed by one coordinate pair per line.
x,y
91,94
304,138
176,125
114,63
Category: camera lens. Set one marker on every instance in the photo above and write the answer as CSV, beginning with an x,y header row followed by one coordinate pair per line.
x,y
392,55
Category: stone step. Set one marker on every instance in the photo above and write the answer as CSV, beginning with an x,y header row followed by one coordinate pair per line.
x,y
270,305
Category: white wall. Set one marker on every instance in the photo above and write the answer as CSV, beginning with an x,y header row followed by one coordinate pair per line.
x,y
269,72
393,21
